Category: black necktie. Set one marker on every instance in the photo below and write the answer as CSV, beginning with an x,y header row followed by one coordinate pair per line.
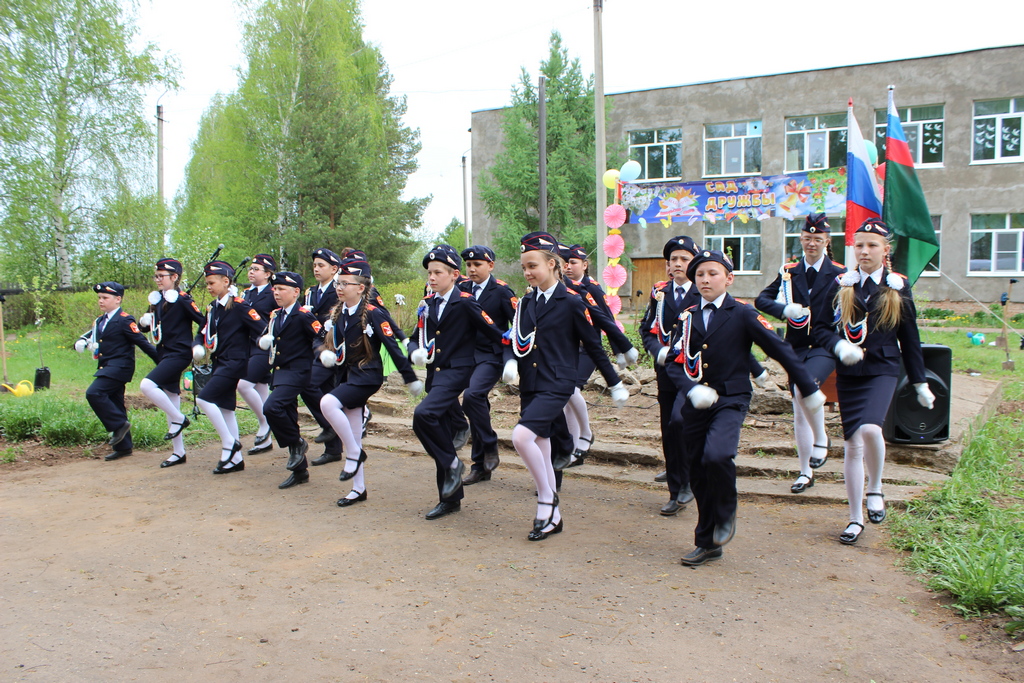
x,y
710,308
344,319
476,291
435,305
679,296
280,321
101,324
811,274
315,299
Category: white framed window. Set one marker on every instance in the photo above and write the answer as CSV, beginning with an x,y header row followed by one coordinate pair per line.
x,y
794,252
924,128
732,149
996,131
997,243
814,142
932,269
659,152
740,241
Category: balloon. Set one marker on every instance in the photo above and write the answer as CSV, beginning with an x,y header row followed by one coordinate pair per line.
x,y
642,222
614,276
615,216
872,152
610,178
614,245
630,171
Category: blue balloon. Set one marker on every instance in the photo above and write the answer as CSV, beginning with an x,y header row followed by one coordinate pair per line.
x,y
630,171
872,152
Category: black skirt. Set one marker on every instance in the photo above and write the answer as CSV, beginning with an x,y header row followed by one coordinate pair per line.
x,y
539,411
220,390
167,373
354,395
864,400
259,367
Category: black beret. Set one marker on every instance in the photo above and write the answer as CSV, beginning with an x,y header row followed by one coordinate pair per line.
x,y
577,251
219,268
876,226
170,265
265,260
286,278
354,266
538,241
704,257
682,242
327,255
115,288
445,254
478,253
816,223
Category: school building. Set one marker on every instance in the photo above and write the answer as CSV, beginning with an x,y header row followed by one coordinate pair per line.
x,y
756,154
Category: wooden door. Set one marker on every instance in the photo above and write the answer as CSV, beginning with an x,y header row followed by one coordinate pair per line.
x,y
648,272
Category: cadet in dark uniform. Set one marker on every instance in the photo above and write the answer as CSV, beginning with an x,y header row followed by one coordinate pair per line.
x,y
170,317
800,295
111,341
875,325
230,321
356,331
288,340
320,300
499,302
711,343
450,321
543,348
255,388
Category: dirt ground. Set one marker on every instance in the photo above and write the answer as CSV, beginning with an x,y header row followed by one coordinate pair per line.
x,y
124,571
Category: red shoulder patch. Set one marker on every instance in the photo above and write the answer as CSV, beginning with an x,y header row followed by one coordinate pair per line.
x,y
371,307
486,317
123,314
661,285
253,314
465,295
590,299
195,307
134,328
305,309
239,300
501,282
316,325
385,327
515,303
571,291
837,264
764,323
380,301
586,312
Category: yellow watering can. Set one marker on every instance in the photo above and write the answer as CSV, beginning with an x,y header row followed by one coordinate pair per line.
x,y
23,388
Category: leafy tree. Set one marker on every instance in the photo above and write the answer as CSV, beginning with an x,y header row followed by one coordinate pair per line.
x,y
454,234
510,188
73,137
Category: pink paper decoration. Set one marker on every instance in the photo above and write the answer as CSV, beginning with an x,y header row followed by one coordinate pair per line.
x,y
614,302
615,216
614,245
622,328
614,276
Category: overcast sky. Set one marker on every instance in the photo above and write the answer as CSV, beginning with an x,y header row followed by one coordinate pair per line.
x,y
453,57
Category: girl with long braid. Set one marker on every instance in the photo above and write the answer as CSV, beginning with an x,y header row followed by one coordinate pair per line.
x,y
355,332
874,324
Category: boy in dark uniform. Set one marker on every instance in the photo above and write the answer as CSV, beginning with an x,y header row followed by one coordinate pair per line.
x,y
450,322
499,302
711,343
289,342
255,388
320,300
111,340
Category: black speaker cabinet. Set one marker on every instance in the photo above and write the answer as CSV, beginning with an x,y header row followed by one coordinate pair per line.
x,y
910,422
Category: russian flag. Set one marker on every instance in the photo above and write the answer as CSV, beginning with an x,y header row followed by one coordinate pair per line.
x,y
863,199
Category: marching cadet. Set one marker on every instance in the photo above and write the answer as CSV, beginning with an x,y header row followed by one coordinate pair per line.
x,y
255,388
800,295
320,300
875,324
288,340
356,330
111,339
549,326
498,302
170,317
711,343
668,300
230,321
450,322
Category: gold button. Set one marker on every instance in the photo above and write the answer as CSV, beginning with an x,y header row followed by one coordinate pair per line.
x,y
278,367
534,365
704,383
705,366
437,333
704,347
437,369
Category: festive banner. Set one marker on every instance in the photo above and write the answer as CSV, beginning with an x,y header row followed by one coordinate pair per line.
x,y
790,196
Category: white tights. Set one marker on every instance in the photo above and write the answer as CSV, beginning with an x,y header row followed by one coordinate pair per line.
x,y
255,395
536,453
347,423
864,450
578,419
171,405
226,425
807,431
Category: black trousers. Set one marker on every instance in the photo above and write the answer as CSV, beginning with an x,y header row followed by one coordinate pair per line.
x,y
106,397
711,438
478,409
282,412
677,467
321,382
432,421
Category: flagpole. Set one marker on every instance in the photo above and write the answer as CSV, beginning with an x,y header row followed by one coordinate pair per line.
x,y
850,257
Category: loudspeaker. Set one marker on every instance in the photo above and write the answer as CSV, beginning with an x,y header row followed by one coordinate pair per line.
x,y
910,422
42,378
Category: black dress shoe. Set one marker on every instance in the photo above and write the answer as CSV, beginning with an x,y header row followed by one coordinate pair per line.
x,y
671,508
345,476
700,556
540,535
118,435
181,427
561,461
171,463
345,502
685,496
475,477
661,477
452,480
578,457
491,461
461,438
297,456
849,537
324,436
818,462
444,508
117,454
877,516
724,532
326,458
262,444
802,483
295,478
228,467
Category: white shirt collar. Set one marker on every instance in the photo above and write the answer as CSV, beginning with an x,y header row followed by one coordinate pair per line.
x,y
112,313
483,285
876,276
816,265
323,287
223,301
351,310
443,298
548,292
717,302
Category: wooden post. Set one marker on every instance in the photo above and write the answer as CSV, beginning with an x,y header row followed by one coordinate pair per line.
x,y
1004,340
3,341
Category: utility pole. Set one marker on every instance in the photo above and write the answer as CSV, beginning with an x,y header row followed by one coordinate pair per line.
x,y
542,150
160,153
600,161
465,199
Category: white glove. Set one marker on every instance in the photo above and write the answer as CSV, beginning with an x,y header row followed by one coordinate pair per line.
x,y
620,394
662,356
632,355
80,345
154,297
198,352
814,402
418,358
146,320
266,341
762,379
795,311
171,295
328,359
405,343
925,396
849,354
415,388
328,325
511,371
620,360
702,397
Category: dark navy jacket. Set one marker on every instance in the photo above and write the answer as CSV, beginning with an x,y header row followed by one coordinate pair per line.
x,y
115,353
385,332
291,352
499,302
602,317
233,327
817,298
172,326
